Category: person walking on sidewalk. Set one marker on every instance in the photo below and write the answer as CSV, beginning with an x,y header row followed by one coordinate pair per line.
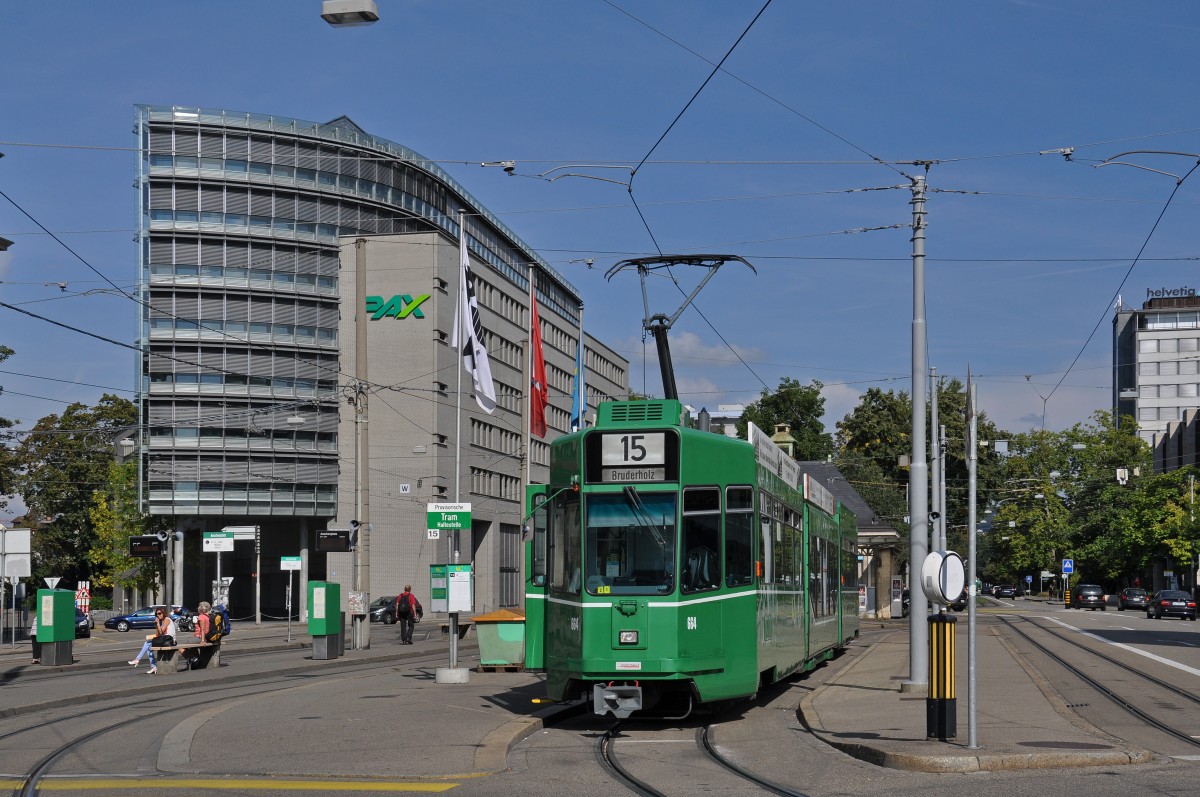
x,y
408,614
37,646
163,636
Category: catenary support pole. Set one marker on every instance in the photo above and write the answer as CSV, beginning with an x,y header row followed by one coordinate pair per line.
x,y
936,507
360,624
918,474
972,570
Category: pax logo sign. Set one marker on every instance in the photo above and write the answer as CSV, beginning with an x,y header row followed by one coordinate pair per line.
x,y
400,306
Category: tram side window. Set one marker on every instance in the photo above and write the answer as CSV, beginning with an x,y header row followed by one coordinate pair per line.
x,y
565,554
816,599
766,506
701,566
739,536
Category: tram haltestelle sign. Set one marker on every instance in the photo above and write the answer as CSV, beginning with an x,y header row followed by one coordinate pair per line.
x,y
446,517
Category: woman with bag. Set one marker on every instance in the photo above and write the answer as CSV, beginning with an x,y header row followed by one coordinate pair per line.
x,y
164,637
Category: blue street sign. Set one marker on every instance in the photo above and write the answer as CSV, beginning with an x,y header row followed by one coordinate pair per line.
x,y
1068,566
1028,579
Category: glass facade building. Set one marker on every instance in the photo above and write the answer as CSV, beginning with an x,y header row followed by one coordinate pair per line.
x,y
1156,373
244,220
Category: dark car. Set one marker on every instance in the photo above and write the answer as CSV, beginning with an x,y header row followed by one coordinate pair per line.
x,y
1089,596
142,618
83,624
1132,598
959,604
383,610
1171,603
1006,591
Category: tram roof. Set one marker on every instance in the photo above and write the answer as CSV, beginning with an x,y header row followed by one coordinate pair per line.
x,y
832,479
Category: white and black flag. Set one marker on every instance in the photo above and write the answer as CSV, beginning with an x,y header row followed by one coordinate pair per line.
x,y
469,329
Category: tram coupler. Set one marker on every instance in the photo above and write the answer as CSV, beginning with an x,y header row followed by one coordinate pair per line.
x,y
618,700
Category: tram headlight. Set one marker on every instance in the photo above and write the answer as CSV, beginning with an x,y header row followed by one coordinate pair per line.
x,y
627,637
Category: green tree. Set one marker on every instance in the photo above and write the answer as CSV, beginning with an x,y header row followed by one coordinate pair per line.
x,y
1089,493
800,407
115,517
875,435
61,462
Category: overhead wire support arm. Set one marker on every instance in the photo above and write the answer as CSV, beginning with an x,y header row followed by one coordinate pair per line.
x,y
659,324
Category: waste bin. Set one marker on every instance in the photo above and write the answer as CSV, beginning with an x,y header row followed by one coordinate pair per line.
x,y
501,638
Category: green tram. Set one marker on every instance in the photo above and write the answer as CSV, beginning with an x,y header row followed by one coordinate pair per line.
x,y
669,567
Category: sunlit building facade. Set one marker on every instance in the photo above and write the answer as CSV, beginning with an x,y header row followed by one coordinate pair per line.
x,y
246,222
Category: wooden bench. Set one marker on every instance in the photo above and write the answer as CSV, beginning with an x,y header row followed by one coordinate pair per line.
x,y
463,628
173,659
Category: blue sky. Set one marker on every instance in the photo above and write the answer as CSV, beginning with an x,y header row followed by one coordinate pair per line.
x,y
771,162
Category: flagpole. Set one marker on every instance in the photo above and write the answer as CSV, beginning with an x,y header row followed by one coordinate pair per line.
x,y
452,546
579,382
527,431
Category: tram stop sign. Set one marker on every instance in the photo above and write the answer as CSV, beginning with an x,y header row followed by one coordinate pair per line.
x,y
446,517
1068,566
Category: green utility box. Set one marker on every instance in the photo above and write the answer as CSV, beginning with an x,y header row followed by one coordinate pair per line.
x,y
501,638
325,618
324,608
55,615
55,626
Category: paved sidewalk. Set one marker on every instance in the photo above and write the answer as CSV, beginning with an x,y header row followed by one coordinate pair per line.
x,y
496,709
1021,722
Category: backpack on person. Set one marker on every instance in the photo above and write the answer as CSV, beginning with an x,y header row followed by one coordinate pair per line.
x,y
219,625
403,606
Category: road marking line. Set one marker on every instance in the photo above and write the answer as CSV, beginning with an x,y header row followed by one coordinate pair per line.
x,y
223,784
1130,648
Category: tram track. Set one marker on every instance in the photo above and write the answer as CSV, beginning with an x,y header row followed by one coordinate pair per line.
x,y
704,743
1134,706
265,685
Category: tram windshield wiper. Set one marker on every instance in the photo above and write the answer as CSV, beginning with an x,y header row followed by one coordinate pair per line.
x,y
643,516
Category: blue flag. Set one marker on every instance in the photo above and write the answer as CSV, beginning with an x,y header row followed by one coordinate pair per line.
x,y
579,393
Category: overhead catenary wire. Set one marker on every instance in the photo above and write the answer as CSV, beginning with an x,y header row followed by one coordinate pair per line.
x,y
1146,242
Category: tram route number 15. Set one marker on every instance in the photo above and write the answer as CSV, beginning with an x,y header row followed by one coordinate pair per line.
x,y
633,449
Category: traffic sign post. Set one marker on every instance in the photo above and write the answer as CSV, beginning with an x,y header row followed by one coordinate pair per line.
x,y
1068,567
289,564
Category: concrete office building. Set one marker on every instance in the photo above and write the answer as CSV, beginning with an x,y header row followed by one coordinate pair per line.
x,y
248,231
1156,372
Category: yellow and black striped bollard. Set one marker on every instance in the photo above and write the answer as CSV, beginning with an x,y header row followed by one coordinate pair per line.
x,y
941,707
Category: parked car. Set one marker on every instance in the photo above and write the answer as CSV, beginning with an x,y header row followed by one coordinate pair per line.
x,y
383,610
83,624
959,604
904,604
1171,603
1006,591
1132,598
142,618
1089,596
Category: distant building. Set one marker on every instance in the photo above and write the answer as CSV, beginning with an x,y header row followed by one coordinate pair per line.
x,y
1156,372
724,419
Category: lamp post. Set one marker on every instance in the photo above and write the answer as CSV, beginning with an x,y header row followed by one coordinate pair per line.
x,y
349,13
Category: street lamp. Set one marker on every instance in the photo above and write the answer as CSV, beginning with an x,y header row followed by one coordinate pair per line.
x,y
349,13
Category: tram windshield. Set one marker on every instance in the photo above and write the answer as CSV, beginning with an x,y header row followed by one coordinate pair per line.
x,y
630,543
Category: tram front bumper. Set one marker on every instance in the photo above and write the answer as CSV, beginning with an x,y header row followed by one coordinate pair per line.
x,y
620,701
